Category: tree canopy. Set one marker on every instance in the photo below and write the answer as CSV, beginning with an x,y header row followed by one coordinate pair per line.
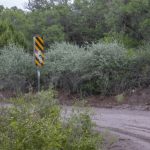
x,y
79,22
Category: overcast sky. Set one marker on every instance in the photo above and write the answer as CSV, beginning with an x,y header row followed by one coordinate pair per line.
x,y
11,3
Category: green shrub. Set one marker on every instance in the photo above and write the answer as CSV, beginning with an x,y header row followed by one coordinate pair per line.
x,y
121,38
63,66
16,69
35,123
103,68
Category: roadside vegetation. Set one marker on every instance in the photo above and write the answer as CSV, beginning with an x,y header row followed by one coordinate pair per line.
x,y
102,68
35,122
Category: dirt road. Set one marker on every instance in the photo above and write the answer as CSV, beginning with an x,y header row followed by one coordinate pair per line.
x,y
131,127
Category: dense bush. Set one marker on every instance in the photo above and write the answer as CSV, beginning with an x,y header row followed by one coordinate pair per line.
x,y
34,123
63,65
103,68
16,69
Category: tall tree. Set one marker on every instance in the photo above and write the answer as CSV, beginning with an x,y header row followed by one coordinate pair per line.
x,y
129,18
9,35
42,4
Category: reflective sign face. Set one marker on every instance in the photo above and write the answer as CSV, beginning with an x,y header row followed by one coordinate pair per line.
x,y
39,51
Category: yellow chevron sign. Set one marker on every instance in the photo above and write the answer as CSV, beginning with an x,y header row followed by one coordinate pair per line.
x,y
38,50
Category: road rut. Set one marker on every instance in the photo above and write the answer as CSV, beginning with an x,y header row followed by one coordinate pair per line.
x,y
133,125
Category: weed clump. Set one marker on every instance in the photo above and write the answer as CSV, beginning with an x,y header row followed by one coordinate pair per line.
x,y
35,122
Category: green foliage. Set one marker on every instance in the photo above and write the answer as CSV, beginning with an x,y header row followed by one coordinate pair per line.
x,y
34,122
19,22
80,22
103,68
9,35
122,39
129,18
63,65
16,69
53,33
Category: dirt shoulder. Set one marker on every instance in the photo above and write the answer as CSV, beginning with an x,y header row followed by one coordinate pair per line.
x,y
135,100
